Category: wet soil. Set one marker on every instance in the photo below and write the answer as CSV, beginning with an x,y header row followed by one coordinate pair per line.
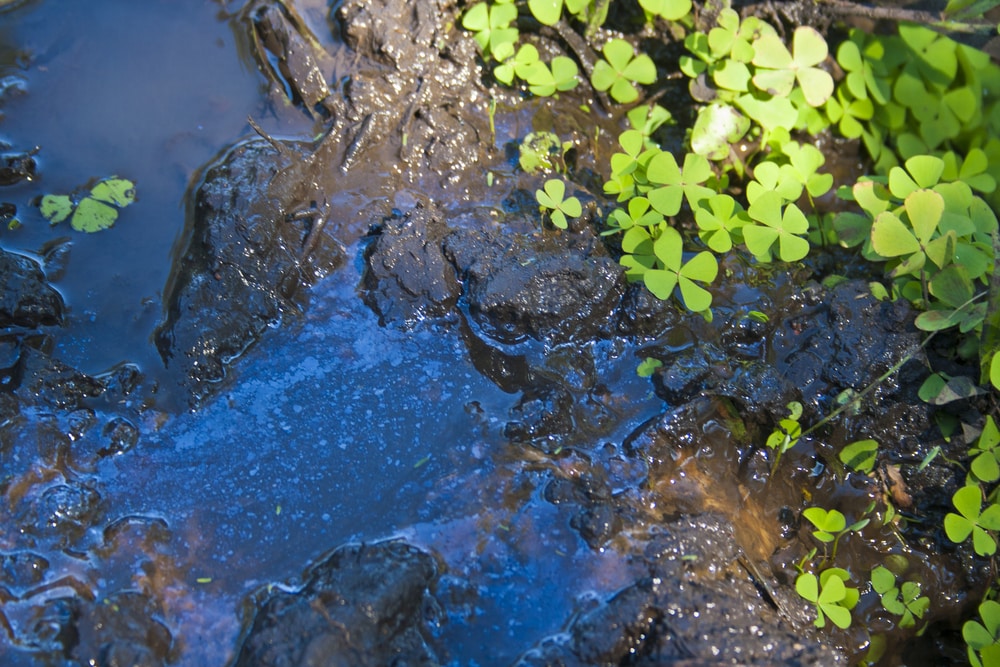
x,y
389,416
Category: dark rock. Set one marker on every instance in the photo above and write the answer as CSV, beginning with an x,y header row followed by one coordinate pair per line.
x,y
363,605
543,417
673,617
407,276
549,287
26,299
246,261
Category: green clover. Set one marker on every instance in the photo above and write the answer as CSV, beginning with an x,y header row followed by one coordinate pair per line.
x,y
553,197
973,520
671,10
491,25
620,69
720,218
786,228
703,267
829,595
778,69
674,184
983,639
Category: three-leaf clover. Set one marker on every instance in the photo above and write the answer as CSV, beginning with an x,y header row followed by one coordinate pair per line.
x,y
668,253
553,197
917,241
986,464
972,519
830,596
620,69
720,218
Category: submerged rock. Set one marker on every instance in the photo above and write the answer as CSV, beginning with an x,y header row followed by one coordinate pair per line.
x,y
364,605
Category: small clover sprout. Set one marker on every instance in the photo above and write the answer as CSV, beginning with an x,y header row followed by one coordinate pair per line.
x,y
620,69
542,151
647,367
829,595
973,520
904,601
986,452
778,69
553,197
831,525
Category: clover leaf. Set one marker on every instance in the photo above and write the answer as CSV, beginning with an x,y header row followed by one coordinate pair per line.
x,y
772,177
703,267
94,212
778,69
904,601
983,639
719,218
620,69
784,228
986,464
672,10
717,127
491,25
849,114
914,242
972,519
829,598
675,184
525,65
647,367
638,213
553,197
860,455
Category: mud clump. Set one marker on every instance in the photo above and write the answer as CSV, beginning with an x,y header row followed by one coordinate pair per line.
x,y
363,605
407,276
548,287
243,268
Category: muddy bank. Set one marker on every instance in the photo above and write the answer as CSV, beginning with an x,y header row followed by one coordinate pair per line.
x,y
420,438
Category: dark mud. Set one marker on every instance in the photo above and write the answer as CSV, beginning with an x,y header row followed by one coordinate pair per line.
x,y
419,436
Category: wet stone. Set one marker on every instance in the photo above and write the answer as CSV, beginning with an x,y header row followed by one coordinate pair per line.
x,y
547,287
22,570
244,266
407,277
363,605
26,299
121,436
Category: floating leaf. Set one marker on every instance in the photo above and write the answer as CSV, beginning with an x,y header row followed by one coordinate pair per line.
x,y
117,191
93,216
56,208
